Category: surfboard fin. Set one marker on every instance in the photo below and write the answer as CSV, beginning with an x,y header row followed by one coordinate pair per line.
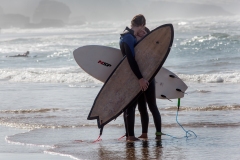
x,y
179,90
172,76
165,97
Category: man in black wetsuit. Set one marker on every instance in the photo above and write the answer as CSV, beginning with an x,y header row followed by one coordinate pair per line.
x,y
127,44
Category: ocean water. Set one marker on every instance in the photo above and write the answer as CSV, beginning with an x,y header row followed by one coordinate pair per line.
x,y
46,98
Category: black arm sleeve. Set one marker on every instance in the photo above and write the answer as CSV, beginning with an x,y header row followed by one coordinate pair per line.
x,y
131,60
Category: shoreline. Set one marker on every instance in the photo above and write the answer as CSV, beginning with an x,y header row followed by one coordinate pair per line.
x,y
66,147
11,151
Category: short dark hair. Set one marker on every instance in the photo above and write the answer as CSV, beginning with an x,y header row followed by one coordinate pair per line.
x,y
147,30
138,20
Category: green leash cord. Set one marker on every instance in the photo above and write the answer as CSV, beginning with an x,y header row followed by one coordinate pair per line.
x,y
178,103
188,133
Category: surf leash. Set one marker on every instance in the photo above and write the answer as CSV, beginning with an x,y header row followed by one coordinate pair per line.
x,y
188,132
99,137
121,137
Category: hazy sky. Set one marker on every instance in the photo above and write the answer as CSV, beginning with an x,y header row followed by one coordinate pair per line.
x,y
27,7
204,1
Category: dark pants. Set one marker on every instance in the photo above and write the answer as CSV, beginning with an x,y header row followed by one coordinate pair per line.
x,y
148,96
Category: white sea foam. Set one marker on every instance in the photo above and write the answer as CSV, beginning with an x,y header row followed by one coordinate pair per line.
x,y
233,77
76,75
7,139
61,154
182,23
47,75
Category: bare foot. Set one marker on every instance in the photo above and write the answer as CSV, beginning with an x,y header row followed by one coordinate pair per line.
x,y
132,138
144,135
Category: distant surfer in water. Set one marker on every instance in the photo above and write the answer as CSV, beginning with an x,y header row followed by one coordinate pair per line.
x,y
127,43
21,55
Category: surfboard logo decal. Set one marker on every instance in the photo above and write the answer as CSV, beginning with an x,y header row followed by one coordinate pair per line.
x,y
104,63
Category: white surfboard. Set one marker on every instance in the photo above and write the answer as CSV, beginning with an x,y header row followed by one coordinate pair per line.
x,y
100,61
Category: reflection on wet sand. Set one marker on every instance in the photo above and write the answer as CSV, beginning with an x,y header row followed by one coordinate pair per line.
x,y
133,150
144,150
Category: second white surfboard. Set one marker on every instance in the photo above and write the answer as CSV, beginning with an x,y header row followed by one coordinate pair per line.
x,y
100,61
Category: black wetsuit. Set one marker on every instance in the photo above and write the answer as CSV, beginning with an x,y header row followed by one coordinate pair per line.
x,y
149,96
127,44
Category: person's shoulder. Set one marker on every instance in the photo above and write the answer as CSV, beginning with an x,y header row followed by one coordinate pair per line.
x,y
129,37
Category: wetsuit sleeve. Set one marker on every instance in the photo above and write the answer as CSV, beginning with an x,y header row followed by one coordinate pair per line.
x,y
131,60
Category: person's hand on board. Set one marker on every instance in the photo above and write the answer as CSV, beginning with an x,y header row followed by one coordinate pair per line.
x,y
143,84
